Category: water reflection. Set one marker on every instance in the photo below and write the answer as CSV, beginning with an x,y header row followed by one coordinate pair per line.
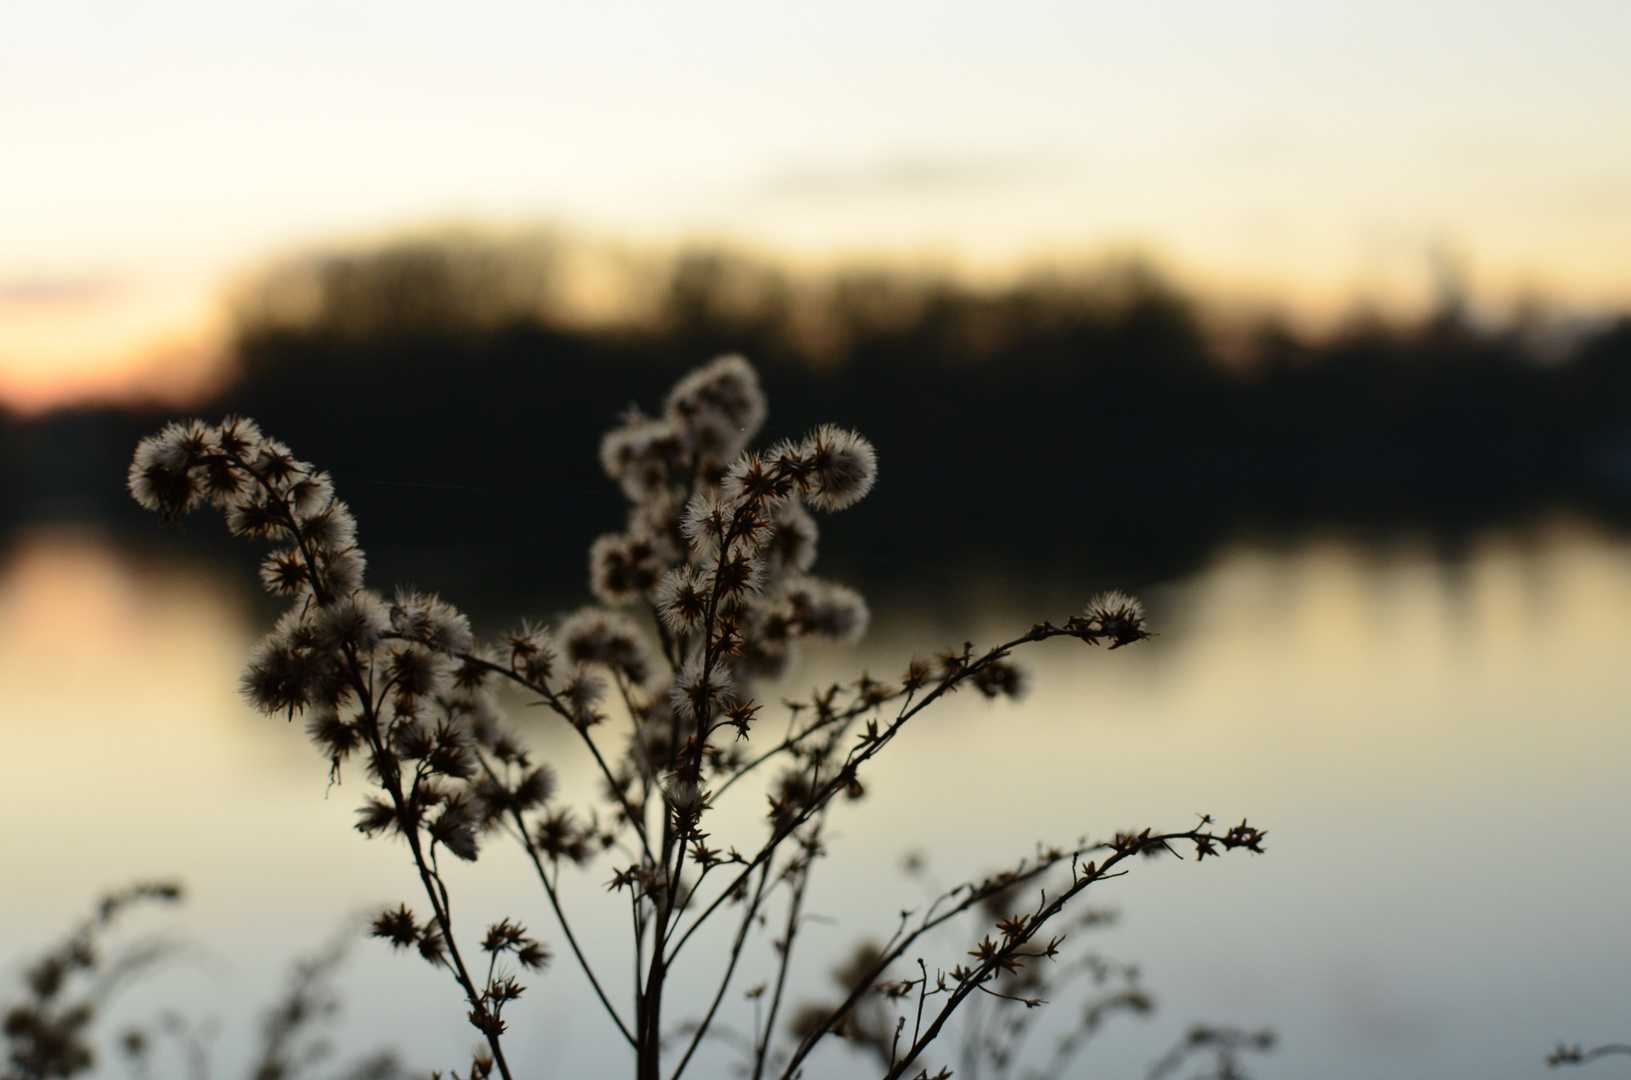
x,y
1436,750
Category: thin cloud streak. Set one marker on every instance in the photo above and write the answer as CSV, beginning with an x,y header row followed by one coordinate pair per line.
x,y
55,292
916,175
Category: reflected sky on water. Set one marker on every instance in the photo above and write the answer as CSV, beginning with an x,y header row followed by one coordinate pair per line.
x,y
1437,751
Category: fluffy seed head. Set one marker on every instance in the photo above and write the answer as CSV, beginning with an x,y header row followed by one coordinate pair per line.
x,y
583,694
532,653
344,571
455,827
416,670
791,541
161,476
284,573
536,788
684,795
739,575
682,599
720,406
707,517
331,528
275,464
1119,616
225,481
825,609
609,638
310,494
254,517
447,630
333,736
752,479
432,621
692,696
643,455
238,437
356,621
842,467
288,669
623,567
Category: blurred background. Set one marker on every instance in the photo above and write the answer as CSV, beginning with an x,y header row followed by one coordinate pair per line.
x,y
1310,324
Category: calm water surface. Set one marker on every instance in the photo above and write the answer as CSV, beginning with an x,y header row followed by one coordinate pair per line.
x,y
1438,751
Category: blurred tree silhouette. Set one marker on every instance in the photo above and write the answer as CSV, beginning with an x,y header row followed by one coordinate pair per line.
x,y
436,354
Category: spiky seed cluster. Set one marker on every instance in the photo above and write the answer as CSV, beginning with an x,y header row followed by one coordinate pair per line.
x,y
1113,616
398,680
264,492
559,835
720,542
1001,678
505,936
1117,612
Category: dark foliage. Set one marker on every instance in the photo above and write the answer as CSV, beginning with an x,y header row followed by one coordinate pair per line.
x,y
406,385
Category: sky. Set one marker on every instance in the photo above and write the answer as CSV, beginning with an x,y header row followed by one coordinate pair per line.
x,y
1311,156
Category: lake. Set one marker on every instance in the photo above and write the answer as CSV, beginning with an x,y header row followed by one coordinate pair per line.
x,y
1436,747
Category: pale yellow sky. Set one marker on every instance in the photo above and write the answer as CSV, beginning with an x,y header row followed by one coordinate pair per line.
x,y
1312,155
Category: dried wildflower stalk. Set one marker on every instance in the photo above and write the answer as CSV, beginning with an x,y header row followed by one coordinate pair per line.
x,y
47,1034
704,595
1576,1054
999,1023
1223,1046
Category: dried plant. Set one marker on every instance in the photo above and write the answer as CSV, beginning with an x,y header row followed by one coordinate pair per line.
x,y
704,598
295,1037
1220,1047
1576,1054
295,1030
47,1033
998,1025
